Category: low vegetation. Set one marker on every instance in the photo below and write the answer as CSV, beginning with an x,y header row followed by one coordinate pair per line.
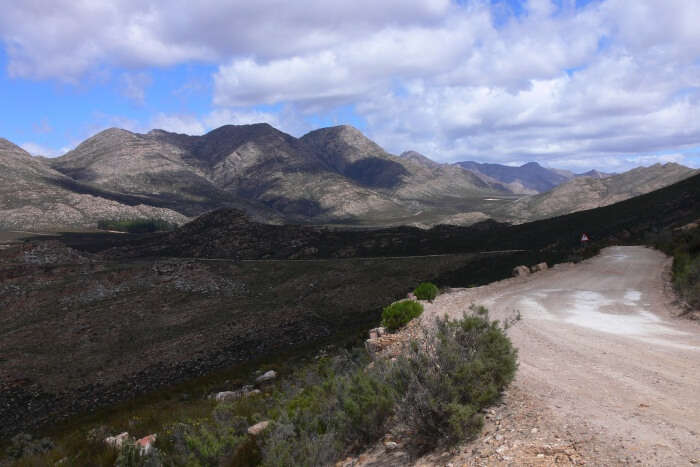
x,y
136,225
398,314
426,291
457,369
332,406
684,246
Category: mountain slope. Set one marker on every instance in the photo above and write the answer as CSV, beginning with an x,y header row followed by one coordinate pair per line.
x,y
588,192
36,197
329,175
529,178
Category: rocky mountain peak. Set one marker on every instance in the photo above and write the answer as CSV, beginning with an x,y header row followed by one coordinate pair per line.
x,y
8,149
419,159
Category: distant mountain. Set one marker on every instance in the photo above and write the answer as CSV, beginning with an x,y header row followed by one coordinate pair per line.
x,y
590,192
36,197
329,175
334,176
530,178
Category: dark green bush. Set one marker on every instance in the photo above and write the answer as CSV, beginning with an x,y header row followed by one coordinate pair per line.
x,y
398,314
136,225
426,291
451,374
684,246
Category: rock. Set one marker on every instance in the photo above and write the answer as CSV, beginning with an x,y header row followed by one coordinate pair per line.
x,y
258,428
145,444
411,296
117,441
520,271
391,445
245,391
268,376
378,344
377,332
539,267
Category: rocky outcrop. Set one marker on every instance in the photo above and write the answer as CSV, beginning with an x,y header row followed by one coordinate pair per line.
x,y
520,271
258,428
266,377
538,267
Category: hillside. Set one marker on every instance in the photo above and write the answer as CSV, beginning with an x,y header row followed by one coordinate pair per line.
x,y
35,197
592,192
329,175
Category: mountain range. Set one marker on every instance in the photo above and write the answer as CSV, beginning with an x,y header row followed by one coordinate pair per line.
x,y
529,179
333,175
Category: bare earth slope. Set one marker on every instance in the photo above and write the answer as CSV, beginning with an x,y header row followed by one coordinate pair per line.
x,y
602,354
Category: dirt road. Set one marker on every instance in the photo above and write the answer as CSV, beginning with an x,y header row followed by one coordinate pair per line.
x,y
602,356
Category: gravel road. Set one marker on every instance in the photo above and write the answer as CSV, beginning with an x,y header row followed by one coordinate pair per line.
x,y
603,355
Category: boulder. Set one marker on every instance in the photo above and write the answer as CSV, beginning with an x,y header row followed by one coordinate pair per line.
x,y
268,376
520,271
539,267
118,440
245,391
377,332
145,444
258,428
380,343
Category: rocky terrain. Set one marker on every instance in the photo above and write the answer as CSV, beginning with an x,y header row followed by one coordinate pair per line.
x,y
35,197
583,193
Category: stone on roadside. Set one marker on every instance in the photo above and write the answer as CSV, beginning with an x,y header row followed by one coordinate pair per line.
x,y
520,271
539,267
258,428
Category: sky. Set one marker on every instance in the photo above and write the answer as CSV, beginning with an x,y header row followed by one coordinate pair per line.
x,y
573,84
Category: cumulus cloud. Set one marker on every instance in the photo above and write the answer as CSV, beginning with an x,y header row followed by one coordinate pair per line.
x,y
133,86
186,124
606,85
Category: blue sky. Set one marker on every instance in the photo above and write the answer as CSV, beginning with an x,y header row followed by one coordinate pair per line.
x,y
605,84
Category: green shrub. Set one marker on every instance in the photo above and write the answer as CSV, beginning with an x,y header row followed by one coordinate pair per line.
x,y
365,403
426,291
451,374
398,314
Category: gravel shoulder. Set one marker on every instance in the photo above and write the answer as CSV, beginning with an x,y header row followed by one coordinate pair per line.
x,y
608,374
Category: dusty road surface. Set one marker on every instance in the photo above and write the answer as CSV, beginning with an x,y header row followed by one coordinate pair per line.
x,y
607,376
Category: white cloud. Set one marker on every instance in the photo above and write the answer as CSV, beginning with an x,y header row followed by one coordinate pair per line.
x,y
133,86
186,124
598,85
40,150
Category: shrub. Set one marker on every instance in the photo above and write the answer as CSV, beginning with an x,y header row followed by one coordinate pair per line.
x,y
398,314
447,377
365,403
426,291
